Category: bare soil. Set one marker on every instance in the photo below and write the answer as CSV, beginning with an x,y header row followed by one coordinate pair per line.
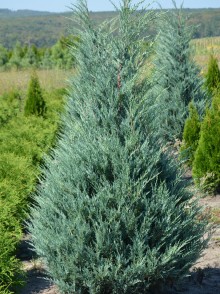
x,y
204,278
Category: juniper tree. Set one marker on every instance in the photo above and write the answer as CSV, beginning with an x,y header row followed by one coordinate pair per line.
x,y
35,104
112,212
175,79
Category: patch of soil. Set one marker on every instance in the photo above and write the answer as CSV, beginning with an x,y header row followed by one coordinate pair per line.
x,y
37,283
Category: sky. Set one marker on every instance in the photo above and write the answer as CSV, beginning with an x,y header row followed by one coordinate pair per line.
x,y
96,5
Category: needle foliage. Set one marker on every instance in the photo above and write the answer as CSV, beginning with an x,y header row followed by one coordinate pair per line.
x,y
175,79
35,103
112,212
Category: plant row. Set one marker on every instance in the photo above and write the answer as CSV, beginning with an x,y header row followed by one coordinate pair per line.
x,y
58,56
201,137
25,136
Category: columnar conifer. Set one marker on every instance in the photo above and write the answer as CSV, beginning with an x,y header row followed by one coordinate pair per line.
x,y
191,135
175,79
35,104
112,212
206,166
212,81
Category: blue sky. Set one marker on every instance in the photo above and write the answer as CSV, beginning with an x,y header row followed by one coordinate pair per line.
x,y
95,5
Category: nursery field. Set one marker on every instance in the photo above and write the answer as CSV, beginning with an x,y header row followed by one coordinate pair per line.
x,y
56,78
25,140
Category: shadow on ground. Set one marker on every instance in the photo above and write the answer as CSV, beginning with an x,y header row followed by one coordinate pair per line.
x,y
36,283
201,281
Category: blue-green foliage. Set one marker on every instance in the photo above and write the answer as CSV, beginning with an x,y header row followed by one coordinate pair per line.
x,y
175,79
112,212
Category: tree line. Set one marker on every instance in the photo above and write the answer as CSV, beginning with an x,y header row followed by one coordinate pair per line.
x,y
44,29
22,57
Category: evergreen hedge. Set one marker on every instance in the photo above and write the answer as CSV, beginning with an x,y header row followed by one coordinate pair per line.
x,y
112,212
23,142
10,234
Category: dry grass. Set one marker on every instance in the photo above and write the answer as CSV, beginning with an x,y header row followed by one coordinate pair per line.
x,y
18,80
203,48
52,79
215,216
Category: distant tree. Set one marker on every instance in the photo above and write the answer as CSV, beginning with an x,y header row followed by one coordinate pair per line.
x,y
35,104
57,55
16,56
4,56
212,78
46,61
30,58
191,135
61,56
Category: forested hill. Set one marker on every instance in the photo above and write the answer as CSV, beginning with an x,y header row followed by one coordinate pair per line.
x,y
44,28
5,13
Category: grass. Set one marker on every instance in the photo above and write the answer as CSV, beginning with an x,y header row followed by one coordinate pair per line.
x,y
215,216
55,78
203,48
18,80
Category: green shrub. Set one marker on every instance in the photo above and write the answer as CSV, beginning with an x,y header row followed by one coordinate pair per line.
x,y
11,105
191,134
212,78
206,166
23,142
10,234
35,104
112,213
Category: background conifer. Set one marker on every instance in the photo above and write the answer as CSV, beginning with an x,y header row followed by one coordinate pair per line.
x,y
206,166
191,135
175,78
212,79
35,104
112,214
